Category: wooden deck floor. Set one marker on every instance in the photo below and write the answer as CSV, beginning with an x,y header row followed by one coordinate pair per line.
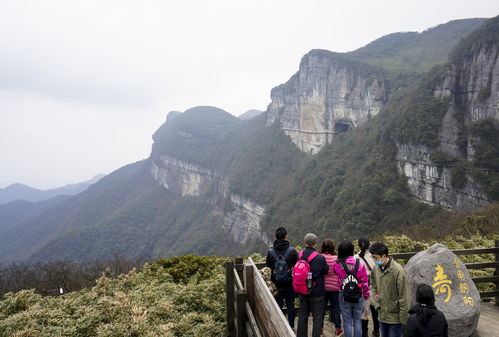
x,y
488,325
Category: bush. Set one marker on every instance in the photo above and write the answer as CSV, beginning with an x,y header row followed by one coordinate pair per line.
x,y
145,303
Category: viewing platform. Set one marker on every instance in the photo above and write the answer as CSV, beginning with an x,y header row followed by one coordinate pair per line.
x,y
252,310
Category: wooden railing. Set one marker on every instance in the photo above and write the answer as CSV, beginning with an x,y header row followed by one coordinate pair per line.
x,y
252,310
479,265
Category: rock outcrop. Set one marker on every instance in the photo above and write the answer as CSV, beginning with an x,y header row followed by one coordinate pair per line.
x,y
455,293
471,85
241,216
431,183
328,95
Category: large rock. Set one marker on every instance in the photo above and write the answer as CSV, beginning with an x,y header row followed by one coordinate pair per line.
x,y
455,293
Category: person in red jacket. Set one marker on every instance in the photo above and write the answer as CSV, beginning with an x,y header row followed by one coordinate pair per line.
x,y
331,285
351,311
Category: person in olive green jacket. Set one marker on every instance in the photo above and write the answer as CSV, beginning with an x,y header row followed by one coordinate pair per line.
x,y
390,291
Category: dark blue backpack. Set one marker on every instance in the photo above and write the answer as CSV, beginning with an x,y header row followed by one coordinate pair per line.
x,y
281,271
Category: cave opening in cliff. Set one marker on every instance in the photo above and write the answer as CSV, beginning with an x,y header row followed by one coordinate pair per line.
x,y
342,126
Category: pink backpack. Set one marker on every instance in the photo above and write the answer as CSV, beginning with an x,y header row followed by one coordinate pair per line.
x,y
300,273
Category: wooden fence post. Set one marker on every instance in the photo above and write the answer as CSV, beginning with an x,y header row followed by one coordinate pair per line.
x,y
241,298
497,273
229,296
239,266
249,285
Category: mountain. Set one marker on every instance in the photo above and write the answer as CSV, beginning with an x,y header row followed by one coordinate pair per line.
x,y
20,210
22,192
343,150
250,114
408,55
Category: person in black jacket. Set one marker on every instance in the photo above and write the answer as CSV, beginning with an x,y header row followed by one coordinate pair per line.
x,y
314,301
425,319
281,248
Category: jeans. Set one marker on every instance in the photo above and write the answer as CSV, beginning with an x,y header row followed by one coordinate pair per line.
x,y
314,305
390,330
287,295
333,297
352,313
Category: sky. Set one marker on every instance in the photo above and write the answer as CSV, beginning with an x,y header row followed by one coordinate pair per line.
x,y
84,84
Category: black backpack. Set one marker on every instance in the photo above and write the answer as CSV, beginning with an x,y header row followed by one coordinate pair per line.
x,y
281,271
350,286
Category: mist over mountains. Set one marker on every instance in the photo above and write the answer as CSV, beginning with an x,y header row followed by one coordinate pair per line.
x,y
23,192
389,136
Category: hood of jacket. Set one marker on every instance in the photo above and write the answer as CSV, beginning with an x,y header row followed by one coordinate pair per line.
x,y
281,245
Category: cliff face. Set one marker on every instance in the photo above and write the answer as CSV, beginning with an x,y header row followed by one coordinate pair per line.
x,y
431,183
328,95
241,216
472,87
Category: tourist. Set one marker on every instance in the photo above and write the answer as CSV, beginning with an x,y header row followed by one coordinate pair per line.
x,y
426,319
313,302
331,285
354,288
281,276
390,291
369,311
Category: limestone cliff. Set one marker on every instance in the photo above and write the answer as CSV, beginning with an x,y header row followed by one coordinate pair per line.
x,y
431,183
471,85
241,216
328,95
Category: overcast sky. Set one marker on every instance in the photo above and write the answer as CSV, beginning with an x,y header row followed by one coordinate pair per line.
x,y
84,84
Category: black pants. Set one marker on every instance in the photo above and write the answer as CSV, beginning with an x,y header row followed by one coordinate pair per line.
x,y
287,295
374,314
314,305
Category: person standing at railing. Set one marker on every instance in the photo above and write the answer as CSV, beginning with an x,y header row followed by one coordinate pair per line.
x,y
390,291
365,257
281,259
313,300
354,289
331,285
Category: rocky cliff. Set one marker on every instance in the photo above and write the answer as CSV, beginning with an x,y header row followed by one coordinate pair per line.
x,y
241,216
328,95
432,183
471,85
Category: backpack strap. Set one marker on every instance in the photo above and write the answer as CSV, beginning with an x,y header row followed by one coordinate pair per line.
x,y
357,261
344,265
347,271
286,254
273,253
367,264
312,256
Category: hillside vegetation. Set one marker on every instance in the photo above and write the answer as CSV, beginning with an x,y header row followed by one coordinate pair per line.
x,y
408,55
184,296
181,296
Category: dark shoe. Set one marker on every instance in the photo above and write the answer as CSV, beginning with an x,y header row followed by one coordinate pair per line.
x,y
375,333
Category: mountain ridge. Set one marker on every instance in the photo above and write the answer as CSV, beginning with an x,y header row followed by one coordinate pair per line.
x,y
210,175
18,191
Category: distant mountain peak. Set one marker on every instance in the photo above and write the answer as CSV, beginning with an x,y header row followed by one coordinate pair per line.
x,y
18,191
250,114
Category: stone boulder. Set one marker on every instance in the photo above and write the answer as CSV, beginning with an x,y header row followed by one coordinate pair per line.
x,y
455,293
